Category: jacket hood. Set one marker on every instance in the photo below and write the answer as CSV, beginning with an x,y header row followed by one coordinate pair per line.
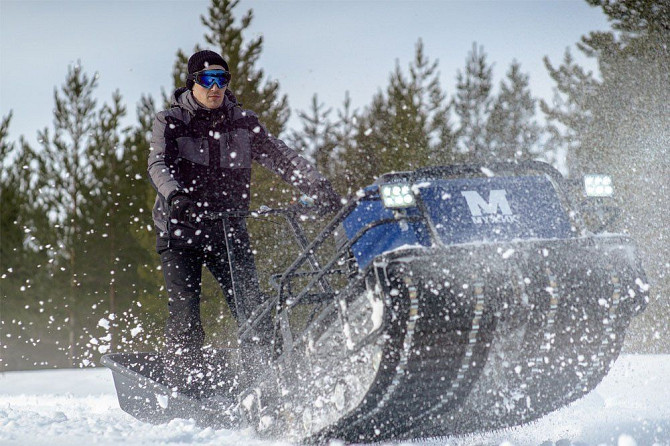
x,y
183,98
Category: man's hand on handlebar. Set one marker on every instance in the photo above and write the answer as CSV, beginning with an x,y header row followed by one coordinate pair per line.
x,y
310,205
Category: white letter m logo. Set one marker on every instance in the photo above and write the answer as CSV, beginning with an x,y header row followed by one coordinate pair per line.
x,y
479,206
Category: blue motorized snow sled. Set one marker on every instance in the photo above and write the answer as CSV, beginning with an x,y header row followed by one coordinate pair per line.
x,y
442,301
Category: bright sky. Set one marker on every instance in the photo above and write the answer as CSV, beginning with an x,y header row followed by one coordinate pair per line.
x,y
324,47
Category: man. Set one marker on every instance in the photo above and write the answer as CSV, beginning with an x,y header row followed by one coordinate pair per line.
x,y
200,165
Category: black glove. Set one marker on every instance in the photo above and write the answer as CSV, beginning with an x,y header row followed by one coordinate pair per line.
x,y
330,202
182,210
327,200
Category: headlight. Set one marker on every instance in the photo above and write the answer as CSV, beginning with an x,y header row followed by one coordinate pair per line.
x,y
598,186
397,195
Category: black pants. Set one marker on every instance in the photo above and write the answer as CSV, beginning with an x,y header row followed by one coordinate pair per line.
x,y
231,262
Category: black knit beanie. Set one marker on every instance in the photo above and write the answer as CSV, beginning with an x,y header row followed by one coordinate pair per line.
x,y
201,60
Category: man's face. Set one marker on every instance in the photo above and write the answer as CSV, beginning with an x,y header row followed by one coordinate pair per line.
x,y
210,98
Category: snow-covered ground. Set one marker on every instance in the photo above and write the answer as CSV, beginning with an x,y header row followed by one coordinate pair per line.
x,y
73,407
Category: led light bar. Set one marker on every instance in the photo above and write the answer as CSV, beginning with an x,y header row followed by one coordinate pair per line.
x,y
396,196
598,186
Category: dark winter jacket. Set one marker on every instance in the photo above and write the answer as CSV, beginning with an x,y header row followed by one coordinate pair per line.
x,y
207,154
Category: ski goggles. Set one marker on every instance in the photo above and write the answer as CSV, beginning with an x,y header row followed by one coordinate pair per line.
x,y
208,78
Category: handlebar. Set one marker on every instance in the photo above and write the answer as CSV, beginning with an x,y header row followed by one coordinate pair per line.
x,y
291,211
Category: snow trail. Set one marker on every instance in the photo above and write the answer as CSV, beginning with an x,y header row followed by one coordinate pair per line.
x,y
78,406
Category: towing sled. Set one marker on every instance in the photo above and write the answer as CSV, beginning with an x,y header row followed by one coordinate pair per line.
x,y
453,300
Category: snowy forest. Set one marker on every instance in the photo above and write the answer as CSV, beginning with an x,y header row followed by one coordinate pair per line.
x,y
79,275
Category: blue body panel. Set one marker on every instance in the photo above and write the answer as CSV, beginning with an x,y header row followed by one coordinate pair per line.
x,y
381,238
464,210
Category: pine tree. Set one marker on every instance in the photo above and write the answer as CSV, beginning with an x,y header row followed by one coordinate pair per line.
x,y
12,249
26,288
617,123
345,142
404,128
568,118
511,130
248,82
118,216
63,186
316,140
136,253
11,233
472,105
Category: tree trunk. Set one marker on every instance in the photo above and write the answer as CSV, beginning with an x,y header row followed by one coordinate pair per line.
x,y
71,311
112,310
